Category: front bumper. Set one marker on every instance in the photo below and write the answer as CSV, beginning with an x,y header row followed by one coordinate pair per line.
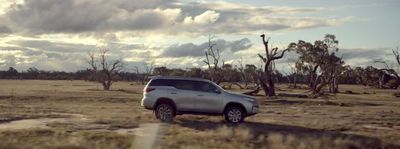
x,y
254,110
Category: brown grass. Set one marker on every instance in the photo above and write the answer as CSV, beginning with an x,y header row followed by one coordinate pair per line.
x,y
368,119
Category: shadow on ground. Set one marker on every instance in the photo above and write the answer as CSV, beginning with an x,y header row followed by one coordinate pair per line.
x,y
318,102
326,137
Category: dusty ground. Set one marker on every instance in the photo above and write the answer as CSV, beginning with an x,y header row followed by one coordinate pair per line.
x,y
77,114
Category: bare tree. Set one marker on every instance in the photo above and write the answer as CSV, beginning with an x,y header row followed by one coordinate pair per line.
x,y
104,70
148,70
266,77
212,60
397,55
294,73
243,76
388,74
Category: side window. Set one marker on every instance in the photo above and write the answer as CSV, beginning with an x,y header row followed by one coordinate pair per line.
x,y
183,84
205,87
156,82
161,82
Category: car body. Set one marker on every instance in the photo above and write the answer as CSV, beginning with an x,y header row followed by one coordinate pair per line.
x,y
195,96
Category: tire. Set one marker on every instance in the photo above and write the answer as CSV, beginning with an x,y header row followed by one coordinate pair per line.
x,y
165,112
234,115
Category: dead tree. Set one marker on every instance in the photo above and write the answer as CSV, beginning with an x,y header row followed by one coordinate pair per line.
x,y
148,70
266,77
242,73
387,74
397,55
292,76
212,60
104,71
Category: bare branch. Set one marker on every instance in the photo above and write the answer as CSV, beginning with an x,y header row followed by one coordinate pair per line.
x,y
397,55
92,61
280,56
262,58
274,52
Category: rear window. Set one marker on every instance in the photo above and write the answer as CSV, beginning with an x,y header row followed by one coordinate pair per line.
x,y
160,82
179,84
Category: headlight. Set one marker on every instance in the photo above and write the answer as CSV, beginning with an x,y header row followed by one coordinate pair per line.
x,y
249,99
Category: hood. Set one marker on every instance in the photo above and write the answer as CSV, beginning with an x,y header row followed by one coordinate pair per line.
x,y
240,95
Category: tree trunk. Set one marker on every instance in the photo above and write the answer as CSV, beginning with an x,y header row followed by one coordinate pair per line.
x,y
107,83
295,81
382,81
263,85
267,84
106,87
271,91
336,85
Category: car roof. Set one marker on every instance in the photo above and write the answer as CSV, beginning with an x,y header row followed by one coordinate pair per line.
x,y
180,78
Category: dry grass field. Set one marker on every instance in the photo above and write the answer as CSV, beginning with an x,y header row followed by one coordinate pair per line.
x,y
79,115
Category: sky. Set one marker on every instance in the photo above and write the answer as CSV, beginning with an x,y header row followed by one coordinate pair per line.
x,y
58,34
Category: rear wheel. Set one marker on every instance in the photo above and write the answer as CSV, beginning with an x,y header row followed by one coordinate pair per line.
x,y
234,114
165,112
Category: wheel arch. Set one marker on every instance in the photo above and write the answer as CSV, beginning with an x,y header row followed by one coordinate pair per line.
x,y
230,104
165,101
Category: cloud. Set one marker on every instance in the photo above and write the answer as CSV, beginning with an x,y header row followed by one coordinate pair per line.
x,y
57,34
26,51
53,46
74,16
5,30
196,50
364,53
207,17
157,16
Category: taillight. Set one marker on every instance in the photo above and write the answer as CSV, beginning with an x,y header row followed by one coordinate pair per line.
x,y
147,89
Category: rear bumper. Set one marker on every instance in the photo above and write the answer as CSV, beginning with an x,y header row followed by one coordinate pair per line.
x,y
147,104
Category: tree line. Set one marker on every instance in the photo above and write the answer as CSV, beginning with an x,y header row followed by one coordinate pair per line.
x,y
318,66
238,75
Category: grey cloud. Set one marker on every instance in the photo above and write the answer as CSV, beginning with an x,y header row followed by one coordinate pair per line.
x,y
53,46
46,61
240,45
43,16
125,47
10,61
59,15
366,57
102,16
5,30
26,51
193,50
365,53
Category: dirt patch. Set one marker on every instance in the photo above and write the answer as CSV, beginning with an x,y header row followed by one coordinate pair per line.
x,y
73,122
15,124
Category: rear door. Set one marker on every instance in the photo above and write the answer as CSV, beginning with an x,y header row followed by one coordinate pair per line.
x,y
183,93
207,98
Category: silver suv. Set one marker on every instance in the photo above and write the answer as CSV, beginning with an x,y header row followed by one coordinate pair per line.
x,y
170,96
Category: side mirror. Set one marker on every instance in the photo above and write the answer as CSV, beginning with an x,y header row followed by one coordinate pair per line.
x,y
217,91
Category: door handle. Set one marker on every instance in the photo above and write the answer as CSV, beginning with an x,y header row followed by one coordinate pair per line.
x,y
200,95
173,92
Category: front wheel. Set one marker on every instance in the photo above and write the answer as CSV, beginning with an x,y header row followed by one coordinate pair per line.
x,y
165,112
234,115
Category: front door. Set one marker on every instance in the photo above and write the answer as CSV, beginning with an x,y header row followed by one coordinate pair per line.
x,y
207,99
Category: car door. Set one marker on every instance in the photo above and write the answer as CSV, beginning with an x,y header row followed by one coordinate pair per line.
x,y
182,93
207,98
